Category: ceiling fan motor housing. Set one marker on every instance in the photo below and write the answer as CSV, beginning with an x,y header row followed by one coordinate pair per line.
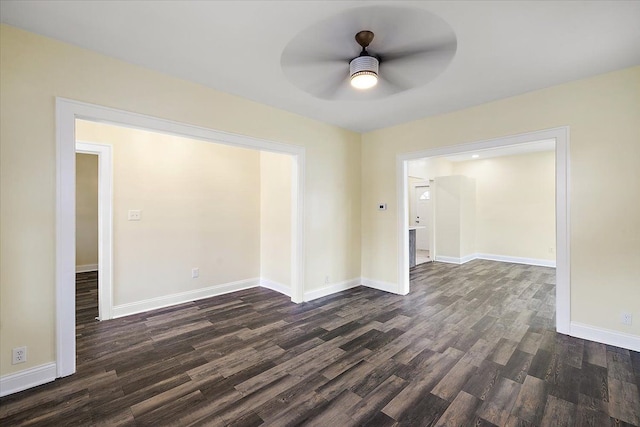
x,y
365,64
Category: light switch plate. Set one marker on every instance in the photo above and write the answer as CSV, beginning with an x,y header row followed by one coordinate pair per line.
x,y
134,215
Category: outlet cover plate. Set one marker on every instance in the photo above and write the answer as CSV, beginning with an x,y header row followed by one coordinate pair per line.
x,y
18,355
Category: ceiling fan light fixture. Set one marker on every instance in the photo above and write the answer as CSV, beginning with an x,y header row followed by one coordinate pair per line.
x,y
364,80
364,72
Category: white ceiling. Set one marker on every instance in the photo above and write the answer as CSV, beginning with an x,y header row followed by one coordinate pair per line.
x,y
504,48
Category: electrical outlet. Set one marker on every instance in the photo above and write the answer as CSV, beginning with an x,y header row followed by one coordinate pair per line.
x,y
195,272
626,319
326,280
18,355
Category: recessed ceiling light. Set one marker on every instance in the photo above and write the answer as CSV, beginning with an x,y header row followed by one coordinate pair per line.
x,y
475,156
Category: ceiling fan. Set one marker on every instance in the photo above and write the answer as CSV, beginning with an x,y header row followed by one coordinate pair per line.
x,y
411,47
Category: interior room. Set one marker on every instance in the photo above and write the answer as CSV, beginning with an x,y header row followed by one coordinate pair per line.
x,y
258,170
503,209
188,196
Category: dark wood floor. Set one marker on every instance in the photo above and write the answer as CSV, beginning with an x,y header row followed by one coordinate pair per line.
x,y
470,345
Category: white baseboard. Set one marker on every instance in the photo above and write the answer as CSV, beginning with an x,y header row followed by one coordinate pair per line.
x,y
500,258
605,336
454,260
380,285
275,286
332,289
86,268
28,378
518,260
182,297
468,258
447,259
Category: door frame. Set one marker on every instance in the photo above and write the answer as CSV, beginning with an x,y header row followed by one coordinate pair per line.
x,y
563,273
67,111
105,224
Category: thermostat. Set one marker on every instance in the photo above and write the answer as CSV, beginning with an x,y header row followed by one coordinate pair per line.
x,y
382,206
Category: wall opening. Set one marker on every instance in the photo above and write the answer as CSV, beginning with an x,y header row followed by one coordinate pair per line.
x,y
558,137
68,112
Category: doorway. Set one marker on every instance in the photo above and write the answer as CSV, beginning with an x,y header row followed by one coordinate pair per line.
x,y
560,136
86,238
67,111
423,221
104,223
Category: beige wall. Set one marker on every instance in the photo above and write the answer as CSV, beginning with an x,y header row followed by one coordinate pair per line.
x,y
447,216
602,113
468,218
275,217
36,69
200,206
515,204
86,209
455,216
429,168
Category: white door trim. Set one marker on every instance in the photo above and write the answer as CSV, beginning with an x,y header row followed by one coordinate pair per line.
x,y
67,111
563,277
105,224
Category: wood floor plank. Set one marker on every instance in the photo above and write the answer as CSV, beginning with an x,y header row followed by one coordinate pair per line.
x,y
624,401
460,412
499,403
595,353
518,366
426,411
371,404
335,413
451,384
419,386
558,413
503,351
531,401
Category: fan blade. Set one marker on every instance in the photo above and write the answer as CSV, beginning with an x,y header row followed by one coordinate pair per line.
x,y
311,59
321,79
412,68
338,90
446,47
392,83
